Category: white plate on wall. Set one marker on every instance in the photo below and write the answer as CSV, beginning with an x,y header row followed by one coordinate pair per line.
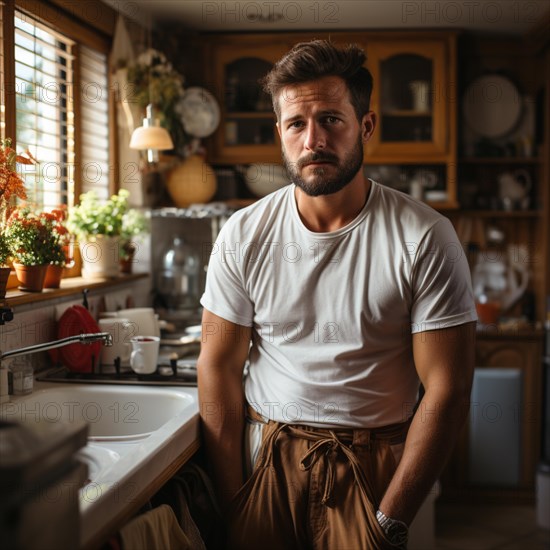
x,y
492,105
200,112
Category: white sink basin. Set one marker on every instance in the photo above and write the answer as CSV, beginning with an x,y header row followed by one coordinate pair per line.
x,y
115,413
137,436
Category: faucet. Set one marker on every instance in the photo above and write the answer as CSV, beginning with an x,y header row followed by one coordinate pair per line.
x,y
104,337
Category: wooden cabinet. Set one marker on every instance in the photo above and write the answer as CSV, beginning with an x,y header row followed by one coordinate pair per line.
x,y
411,86
523,353
413,96
522,228
247,132
521,153
504,351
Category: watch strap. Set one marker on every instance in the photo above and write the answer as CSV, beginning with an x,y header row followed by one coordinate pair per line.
x,y
396,531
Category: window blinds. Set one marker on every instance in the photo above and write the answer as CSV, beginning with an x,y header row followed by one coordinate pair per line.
x,y
94,109
2,69
44,95
45,114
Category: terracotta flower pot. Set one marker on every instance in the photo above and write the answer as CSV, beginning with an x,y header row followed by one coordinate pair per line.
x,y
126,265
126,262
4,274
100,257
54,274
30,277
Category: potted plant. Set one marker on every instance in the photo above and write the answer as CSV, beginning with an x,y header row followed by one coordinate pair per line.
x,y
4,267
33,244
134,223
11,186
98,228
58,218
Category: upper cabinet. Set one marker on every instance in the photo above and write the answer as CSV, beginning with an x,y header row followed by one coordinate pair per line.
x,y
247,131
411,82
413,96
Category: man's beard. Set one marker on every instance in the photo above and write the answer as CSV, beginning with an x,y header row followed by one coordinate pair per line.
x,y
321,184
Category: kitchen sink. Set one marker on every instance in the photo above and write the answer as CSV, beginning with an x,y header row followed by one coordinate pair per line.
x,y
113,413
137,433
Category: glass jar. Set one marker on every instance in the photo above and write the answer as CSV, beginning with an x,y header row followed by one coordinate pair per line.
x,y
22,376
178,280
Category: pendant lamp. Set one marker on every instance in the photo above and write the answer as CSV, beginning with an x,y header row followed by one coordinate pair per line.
x,y
151,137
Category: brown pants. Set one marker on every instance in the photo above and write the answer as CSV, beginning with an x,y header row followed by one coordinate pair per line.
x,y
315,488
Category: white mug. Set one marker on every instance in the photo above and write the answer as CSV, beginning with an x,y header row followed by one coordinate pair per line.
x,y
145,354
144,318
122,331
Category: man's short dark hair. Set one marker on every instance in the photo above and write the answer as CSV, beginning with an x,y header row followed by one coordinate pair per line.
x,y
308,61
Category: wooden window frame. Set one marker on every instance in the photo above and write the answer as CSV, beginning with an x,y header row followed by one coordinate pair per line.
x,y
89,22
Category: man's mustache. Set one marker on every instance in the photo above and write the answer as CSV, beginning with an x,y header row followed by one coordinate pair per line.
x,y
316,157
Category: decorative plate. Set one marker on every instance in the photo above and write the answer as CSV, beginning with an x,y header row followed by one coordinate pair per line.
x,y
492,105
78,357
200,113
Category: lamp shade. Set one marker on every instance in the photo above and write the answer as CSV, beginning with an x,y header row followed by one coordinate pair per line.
x,y
151,137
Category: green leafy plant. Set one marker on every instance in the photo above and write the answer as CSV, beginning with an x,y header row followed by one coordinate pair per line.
x,y
92,217
31,238
5,253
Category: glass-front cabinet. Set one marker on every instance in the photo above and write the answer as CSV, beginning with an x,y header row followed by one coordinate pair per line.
x,y
413,97
247,130
409,97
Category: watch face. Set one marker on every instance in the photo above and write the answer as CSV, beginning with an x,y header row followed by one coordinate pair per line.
x,y
397,533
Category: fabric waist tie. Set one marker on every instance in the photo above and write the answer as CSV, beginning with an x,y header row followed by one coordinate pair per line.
x,y
327,443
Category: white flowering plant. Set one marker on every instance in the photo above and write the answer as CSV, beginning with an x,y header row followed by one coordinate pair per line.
x,y
94,217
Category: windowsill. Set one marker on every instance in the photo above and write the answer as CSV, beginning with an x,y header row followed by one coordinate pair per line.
x,y
70,286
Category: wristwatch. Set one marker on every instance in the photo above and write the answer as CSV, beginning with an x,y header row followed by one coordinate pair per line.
x,y
396,531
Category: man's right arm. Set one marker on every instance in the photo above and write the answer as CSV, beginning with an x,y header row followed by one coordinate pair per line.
x,y
224,350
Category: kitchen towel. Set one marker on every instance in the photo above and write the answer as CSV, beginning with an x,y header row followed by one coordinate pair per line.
x,y
158,529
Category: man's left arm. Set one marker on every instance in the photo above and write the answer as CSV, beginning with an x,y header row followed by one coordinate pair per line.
x,y
444,361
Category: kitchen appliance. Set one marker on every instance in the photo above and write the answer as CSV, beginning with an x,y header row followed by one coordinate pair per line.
x,y
178,276
495,433
182,242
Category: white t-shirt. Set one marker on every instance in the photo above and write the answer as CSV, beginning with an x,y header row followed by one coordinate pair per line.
x,y
332,313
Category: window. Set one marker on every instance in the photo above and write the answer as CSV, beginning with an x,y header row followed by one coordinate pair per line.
x,y
61,105
94,111
44,92
54,97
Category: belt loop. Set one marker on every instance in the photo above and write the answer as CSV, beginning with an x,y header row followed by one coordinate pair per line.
x,y
254,414
362,437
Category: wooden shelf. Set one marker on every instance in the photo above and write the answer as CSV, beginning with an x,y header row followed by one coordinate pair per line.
x,y
406,113
501,213
499,160
69,287
250,114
